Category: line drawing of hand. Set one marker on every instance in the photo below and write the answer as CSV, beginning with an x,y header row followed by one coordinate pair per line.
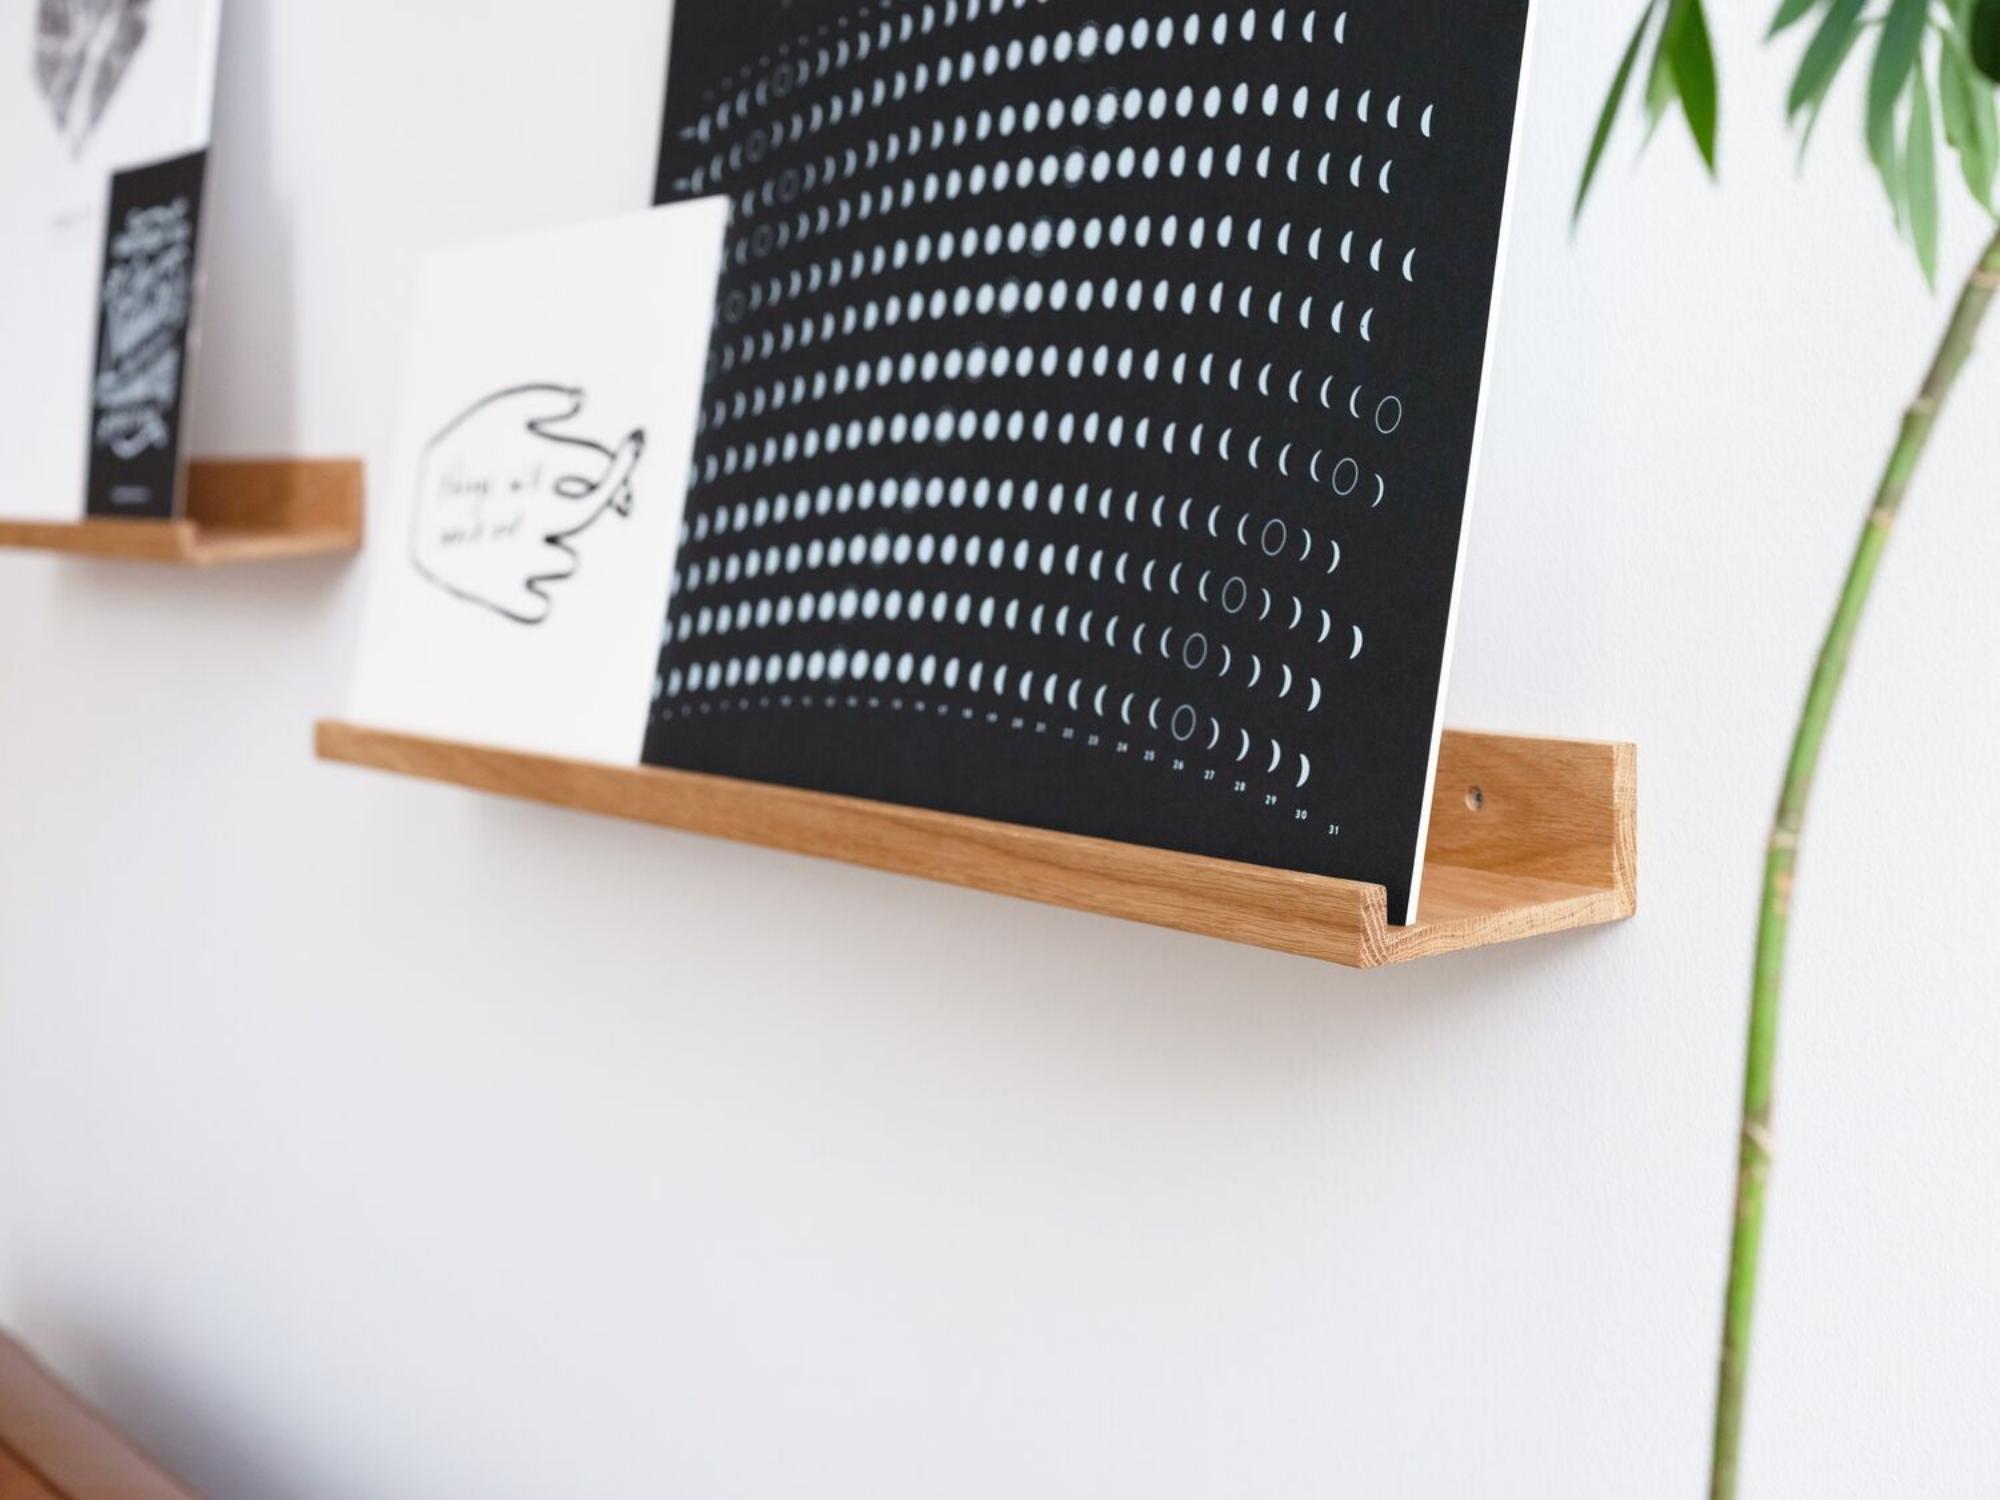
x,y
501,493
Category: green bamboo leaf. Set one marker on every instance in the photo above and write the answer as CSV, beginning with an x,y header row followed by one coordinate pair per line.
x,y
1790,14
1985,37
1824,54
1694,73
1817,104
1920,179
1895,59
1970,122
1606,120
1662,85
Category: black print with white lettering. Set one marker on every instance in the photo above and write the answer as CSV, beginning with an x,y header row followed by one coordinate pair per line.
x,y
145,311
1091,408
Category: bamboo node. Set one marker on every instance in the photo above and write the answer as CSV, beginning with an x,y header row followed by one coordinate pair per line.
x,y
1760,1136
1988,280
1882,518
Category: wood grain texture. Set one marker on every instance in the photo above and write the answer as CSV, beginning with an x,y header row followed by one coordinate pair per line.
x,y
1587,792
53,1440
19,1482
238,511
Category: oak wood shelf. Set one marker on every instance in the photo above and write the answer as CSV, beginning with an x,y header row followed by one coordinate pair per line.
x,y
1527,837
238,511
54,1447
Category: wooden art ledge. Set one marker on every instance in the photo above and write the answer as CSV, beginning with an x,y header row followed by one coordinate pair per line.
x,y
1527,837
238,511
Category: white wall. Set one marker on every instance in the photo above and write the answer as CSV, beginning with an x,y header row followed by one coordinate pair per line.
x,y
366,1139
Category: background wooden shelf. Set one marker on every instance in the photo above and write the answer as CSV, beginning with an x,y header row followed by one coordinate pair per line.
x,y
238,511
54,1447
1527,836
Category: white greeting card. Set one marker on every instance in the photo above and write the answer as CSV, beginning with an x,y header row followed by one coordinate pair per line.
x,y
526,538
94,89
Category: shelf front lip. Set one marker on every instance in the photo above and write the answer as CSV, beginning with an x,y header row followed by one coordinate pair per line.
x,y
239,510
1338,921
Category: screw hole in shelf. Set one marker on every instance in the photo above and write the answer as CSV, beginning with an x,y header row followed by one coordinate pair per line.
x,y
1475,798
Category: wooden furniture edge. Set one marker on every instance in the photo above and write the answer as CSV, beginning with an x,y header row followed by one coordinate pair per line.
x,y
238,510
1340,921
65,1443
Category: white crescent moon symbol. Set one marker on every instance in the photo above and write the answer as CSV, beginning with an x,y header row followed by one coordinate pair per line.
x,y
1097,703
1277,754
1294,389
1336,558
1075,687
1125,709
1285,691
1313,707
1354,172
1174,579
1183,517
1323,401
1367,318
1146,578
1285,460
1357,644
1298,613
1213,512
1201,589
1139,639
1256,668
1214,731
1242,521
1267,606
1153,714
1166,639
1226,659
1305,769
1354,403
1244,753
1264,379
1325,626
1381,490
1313,467
1383,180
1255,443
1312,245
1410,266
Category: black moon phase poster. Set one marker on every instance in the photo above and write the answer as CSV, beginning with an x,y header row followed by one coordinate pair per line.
x,y
1092,407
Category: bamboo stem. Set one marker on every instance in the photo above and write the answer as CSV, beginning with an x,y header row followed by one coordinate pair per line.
x,y
1781,860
